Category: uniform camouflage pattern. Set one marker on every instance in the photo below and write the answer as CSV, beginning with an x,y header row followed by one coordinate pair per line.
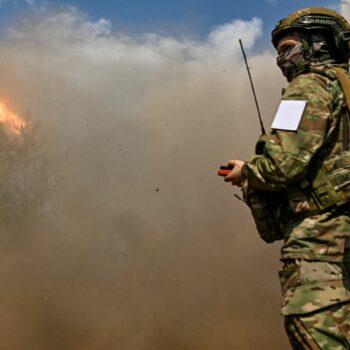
x,y
289,156
316,232
308,286
260,203
325,329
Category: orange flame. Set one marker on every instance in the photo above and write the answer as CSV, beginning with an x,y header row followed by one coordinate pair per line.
x,y
10,120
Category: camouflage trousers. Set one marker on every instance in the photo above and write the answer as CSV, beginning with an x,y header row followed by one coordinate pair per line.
x,y
327,329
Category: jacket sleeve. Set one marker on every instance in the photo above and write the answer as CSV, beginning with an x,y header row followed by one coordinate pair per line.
x,y
287,154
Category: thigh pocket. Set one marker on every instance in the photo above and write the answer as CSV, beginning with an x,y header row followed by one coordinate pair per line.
x,y
316,272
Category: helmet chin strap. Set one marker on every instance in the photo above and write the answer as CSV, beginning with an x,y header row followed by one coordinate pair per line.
x,y
320,48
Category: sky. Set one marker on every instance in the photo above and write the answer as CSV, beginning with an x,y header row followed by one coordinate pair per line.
x,y
181,17
140,243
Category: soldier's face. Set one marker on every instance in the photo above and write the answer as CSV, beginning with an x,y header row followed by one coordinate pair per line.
x,y
290,55
287,43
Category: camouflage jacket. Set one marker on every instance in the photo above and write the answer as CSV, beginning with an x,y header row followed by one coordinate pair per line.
x,y
287,159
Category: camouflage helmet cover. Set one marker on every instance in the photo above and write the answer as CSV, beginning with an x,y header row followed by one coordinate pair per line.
x,y
315,18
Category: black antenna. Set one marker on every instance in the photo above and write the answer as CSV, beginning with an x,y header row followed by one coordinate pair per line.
x,y
252,85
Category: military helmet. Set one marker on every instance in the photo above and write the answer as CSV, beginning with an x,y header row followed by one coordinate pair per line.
x,y
315,19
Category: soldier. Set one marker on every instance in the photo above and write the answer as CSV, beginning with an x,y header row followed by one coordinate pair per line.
x,y
298,185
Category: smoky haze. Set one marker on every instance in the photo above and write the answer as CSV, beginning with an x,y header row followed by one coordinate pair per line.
x,y
144,247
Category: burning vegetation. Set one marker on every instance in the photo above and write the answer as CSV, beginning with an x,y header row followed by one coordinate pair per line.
x,y
25,168
10,121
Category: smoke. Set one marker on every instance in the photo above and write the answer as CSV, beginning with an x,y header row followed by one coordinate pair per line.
x,y
143,246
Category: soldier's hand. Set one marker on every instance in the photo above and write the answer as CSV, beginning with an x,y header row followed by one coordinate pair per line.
x,y
236,175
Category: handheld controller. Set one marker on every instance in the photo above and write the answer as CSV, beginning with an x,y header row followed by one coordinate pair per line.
x,y
225,170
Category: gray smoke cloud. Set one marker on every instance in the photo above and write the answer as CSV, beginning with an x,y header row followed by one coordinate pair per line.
x,y
144,246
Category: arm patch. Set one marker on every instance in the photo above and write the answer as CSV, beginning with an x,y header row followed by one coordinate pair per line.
x,y
288,115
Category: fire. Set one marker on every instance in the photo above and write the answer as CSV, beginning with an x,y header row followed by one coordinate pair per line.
x,y
10,120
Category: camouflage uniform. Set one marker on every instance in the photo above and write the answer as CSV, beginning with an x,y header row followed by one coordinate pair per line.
x,y
316,250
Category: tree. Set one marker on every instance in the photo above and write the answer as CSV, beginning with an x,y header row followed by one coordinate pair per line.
x,y
26,172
